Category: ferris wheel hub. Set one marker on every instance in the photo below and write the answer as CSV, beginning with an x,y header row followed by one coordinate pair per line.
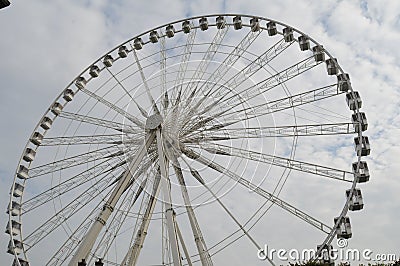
x,y
153,121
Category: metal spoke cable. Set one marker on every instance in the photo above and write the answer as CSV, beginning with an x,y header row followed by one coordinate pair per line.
x,y
97,122
226,132
70,184
67,212
204,63
241,76
310,168
146,86
198,177
279,105
117,109
268,196
69,246
76,160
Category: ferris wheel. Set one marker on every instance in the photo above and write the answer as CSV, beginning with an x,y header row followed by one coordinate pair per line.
x,y
176,147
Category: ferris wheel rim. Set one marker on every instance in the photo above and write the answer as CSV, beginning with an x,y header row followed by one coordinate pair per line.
x,y
357,109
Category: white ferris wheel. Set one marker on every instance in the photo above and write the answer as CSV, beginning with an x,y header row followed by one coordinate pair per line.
x,y
176,147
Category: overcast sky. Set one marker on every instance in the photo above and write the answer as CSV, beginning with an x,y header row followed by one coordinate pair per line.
x,y
45,44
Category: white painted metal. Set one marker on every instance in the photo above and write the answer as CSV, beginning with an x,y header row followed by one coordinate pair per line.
x,y
86,246
187,118
253,187
133,254
205,257
169,212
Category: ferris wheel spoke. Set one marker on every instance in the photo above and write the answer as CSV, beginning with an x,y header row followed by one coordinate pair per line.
x,y
123,87
197,176
98,122
279,104
228,62
133,253
112,231
79,140
201,246
70,184
186,53
86,245
263,193
144,80
163,69
223,131
115,224
165,184
204,63
277,79
243,75
233,57
76,160
68,247
297,165
259,63
264,86
117,109
68,211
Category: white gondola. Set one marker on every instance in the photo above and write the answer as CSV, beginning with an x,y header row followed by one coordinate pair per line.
x,y
203,23
123,51
80,82
362,174
356,201
17,249
271,28
23,172
108,60
153,36
288,34
362,146
220,21
138,43
18,190
15,209
68,95
237,23
186,26
359,121
327,255
254,24
29,155
344,81
318,52
46,123
353,100
21,262
170,31
331,66
56,109
14,228
36,138
304,43
344,228
94,71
